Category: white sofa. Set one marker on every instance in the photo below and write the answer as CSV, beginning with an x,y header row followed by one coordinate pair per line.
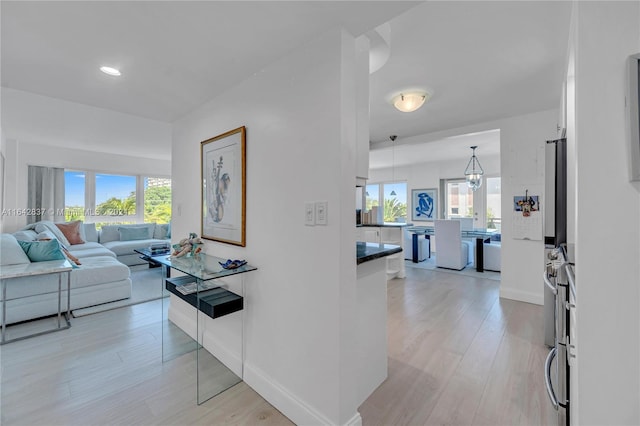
x,y
99,279
109,237
102,277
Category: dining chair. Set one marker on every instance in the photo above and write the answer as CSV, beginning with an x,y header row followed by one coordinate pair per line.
x,y
452,252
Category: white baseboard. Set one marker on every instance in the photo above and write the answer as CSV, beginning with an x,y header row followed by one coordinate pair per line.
x,y
522,296
295,409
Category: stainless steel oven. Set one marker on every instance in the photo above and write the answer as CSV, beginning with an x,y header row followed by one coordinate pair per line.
x,y
560,280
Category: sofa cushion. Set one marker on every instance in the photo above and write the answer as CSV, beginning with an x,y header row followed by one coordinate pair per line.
x,y
82,251
42,251
71,231
162,231
98,270
134,233
10,251
126,247
90,232
26,235
46,225
112,232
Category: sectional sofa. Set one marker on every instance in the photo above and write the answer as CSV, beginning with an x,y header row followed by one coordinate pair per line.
x,y
102,276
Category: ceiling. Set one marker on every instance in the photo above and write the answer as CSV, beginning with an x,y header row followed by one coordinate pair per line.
x,y
482,60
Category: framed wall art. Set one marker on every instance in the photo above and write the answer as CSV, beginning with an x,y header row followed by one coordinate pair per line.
x,y
424,204
223,168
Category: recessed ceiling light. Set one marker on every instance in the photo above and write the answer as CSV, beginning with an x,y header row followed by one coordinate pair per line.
x,y
110,71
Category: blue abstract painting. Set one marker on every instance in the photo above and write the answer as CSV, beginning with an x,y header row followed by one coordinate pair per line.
x,y
424,204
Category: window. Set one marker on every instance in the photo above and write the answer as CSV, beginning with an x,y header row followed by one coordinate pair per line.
x,y
115,195
74,208
393,199
458,199
112,199
157,200
484,205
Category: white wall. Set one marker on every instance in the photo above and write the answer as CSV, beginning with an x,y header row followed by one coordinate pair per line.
x,y
300,317
40,119
607,226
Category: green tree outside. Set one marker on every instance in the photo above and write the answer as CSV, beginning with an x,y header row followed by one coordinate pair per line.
x,y
394,209
157,204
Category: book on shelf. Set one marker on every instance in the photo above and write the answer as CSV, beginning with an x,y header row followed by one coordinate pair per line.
x,y
192,287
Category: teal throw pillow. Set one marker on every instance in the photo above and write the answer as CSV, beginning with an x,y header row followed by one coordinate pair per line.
x,y
41,251
134,233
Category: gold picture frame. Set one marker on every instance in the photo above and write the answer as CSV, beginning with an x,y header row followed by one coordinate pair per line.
x,y
223,177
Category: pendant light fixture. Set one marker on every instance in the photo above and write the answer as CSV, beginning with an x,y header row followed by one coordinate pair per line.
x,y
474,171
393,162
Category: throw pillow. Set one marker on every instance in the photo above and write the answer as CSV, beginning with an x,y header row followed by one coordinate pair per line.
x,y
41,251
11,252
46,225
71,231
133,233
45,236
25,235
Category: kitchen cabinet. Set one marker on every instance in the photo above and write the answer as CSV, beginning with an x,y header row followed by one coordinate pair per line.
x,y
386,234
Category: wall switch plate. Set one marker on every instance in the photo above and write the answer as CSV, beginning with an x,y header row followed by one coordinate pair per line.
x,y
309,214
321,212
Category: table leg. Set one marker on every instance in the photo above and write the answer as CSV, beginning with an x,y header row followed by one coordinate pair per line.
x,y
480,254
414,244
428,237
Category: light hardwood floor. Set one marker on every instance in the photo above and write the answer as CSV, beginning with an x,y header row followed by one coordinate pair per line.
x,y
458,355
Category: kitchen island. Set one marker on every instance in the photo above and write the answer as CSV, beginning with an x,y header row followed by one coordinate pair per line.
x,y
371,294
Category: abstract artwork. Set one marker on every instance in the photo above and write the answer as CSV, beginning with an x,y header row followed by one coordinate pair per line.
x,y
223,187
424,204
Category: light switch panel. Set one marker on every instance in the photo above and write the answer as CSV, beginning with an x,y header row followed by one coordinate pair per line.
x,y
321,213
309,214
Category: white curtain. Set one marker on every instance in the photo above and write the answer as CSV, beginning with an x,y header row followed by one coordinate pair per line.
x,y
45,194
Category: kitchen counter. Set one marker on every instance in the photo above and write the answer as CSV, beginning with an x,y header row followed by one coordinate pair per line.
x,y
387,224
370,251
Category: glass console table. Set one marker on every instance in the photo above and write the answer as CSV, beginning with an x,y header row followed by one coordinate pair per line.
x,y
206,298
480,234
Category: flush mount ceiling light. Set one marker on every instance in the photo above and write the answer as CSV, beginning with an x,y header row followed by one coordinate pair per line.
x,y
111,71
474,172
410,101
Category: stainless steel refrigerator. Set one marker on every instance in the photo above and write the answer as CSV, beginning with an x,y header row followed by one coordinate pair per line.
x,y
559,282
555,220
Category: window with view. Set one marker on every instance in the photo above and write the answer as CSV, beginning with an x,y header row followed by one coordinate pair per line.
x,y
113,199
393,199
74,195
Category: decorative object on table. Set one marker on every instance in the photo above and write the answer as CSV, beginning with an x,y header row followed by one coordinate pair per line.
x,y
159,248
526,204
192,245
473,173
424,203
233,264
223,187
